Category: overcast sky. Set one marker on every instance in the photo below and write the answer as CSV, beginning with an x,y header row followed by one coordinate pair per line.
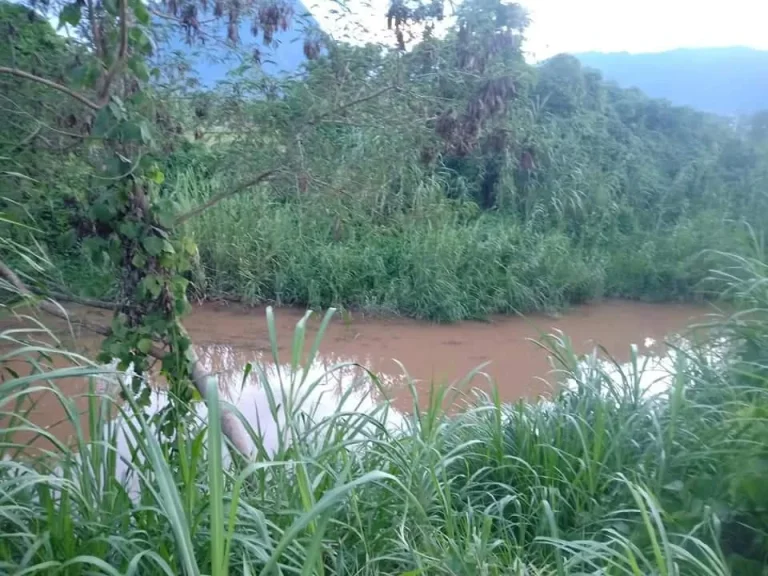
x,y
601,25
586,25
644,25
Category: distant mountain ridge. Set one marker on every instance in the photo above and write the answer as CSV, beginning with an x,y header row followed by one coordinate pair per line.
x,y
727,81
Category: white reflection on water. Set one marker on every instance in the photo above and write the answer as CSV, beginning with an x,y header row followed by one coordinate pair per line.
x,y
651,374
268,395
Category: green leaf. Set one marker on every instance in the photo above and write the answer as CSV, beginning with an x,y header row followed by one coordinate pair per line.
x,y
70,14
144,345
139,67
139,260
94,246
153,245
146,132
189,246
129,229
118,326
180,285
152,285
157,176
167,260
102,212
117,108
140,11
104,123
165,212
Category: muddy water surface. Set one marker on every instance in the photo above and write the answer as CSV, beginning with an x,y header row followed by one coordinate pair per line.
x,y
433,353
229,336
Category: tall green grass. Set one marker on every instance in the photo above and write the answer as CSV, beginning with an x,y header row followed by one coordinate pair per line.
x,y
602,479
436,258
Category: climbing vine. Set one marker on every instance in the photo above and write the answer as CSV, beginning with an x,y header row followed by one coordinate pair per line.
x,y
128,221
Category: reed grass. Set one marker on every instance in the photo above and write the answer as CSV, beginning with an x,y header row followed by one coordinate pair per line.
x,y
440,260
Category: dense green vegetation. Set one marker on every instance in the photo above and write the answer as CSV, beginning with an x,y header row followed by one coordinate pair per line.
x,y
425,183
448,181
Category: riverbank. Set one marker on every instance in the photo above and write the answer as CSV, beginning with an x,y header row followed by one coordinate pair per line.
x,y
600,477
438,265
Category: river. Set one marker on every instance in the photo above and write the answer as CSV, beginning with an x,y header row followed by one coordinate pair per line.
x,y
230,336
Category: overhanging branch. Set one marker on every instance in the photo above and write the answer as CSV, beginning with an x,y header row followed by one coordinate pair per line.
x,y
45,82
108,78
224,195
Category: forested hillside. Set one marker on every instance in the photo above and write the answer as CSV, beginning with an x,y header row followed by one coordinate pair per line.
x,y
726,81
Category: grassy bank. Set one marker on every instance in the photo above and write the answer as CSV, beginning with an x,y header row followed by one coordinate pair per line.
x,y
601,480
442,260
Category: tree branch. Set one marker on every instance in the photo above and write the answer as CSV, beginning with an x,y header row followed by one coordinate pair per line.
x,y
108,77
45,305
61,88
223,196
349,104
90,302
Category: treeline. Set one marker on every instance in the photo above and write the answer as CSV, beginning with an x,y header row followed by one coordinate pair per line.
x,y
451,180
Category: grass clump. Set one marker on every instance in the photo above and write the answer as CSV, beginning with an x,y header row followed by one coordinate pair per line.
x,y
604,478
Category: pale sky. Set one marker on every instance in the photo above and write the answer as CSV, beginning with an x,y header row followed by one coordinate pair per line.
x,y
601,25
585,25
644,25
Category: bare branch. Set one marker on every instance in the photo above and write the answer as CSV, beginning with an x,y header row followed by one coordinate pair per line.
x,y
61,88
317,119
224,195
90,302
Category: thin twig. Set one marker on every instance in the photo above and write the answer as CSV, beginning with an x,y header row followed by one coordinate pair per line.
x,y
47,306
355,102
90,302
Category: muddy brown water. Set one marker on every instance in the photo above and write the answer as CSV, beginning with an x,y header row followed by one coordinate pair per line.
x,y
230,336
